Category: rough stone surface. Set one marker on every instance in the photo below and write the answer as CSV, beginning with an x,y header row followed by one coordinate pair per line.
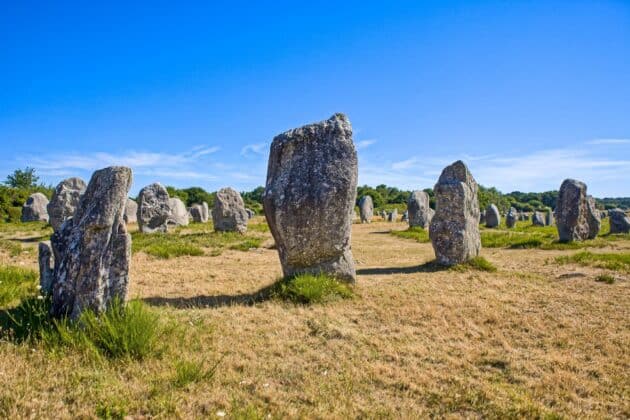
x,y
366,209
454,230
493,217
309,194
418,207
131,211
45,267
538,219
619,221
511,217
392,216
64,201
228,213
482,217
34,210
405,216
577,218
430,213
92,249
196,213
153,209
250,213
179,213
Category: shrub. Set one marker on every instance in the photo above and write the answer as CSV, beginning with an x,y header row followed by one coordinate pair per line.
x,y
187,372
309,288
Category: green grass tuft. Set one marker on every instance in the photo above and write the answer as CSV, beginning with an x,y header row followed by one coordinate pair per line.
x,y
477,263
416,233
614,262
15,284
605,278
188,372
309,288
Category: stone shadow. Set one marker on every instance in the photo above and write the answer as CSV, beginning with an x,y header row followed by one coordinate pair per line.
x,y
216,301
428,267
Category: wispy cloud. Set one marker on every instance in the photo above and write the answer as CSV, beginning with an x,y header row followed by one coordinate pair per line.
x,y
609,141
405,164
364,144
254,149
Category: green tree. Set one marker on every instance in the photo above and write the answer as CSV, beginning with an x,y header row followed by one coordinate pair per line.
x,y
25,178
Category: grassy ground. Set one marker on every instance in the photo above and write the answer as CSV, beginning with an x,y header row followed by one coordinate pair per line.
x,y
537,338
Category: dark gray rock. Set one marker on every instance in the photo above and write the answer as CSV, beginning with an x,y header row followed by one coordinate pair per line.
x,y
34,210
482,217
228,213
392,216
64,201
45,267
179,214
619,221
250,213
405,216
153,209
131,211
511,217
366,209
418,207
493,217
92,249
454,230
577,218
309,196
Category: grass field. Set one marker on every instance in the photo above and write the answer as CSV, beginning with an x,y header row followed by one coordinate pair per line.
x,y
523,332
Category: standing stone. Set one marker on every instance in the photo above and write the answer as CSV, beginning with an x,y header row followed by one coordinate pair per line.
x,y
153,209
549,218
418,207
366,209
384,214
482,217
454,230
577,218
405,216
511,217
92,250
493,217
538,219
45,270
524,216
64,201
34,210
250,213
619,221
131,211
392,216
205,212
310,191
179,213
196,213
430,214
228,213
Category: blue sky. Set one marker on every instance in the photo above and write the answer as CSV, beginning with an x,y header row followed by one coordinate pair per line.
x,y
526,92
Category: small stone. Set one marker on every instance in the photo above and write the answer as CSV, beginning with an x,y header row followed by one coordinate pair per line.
x,y
577,218
392,216
196,213
366,209
511,217
538,219
418,207
619,221
34,210
493,217
153,209
179,214
228,213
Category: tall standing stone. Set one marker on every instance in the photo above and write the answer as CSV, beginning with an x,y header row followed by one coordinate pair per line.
x,y
310,191
418,207
366,209
228,213
93,249
153,209
196,213
619,221
454,230
205,212
64,201
34,210
577,218
538,219
179,212
493,217
131,211
511,217
549,218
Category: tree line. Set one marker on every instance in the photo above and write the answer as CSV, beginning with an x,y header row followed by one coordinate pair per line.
x,y
23,182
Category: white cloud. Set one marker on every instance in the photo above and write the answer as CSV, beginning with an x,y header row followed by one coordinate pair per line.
x,y
363,144
405,164
609,141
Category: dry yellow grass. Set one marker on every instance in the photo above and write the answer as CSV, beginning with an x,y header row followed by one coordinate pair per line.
x,y
535,339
